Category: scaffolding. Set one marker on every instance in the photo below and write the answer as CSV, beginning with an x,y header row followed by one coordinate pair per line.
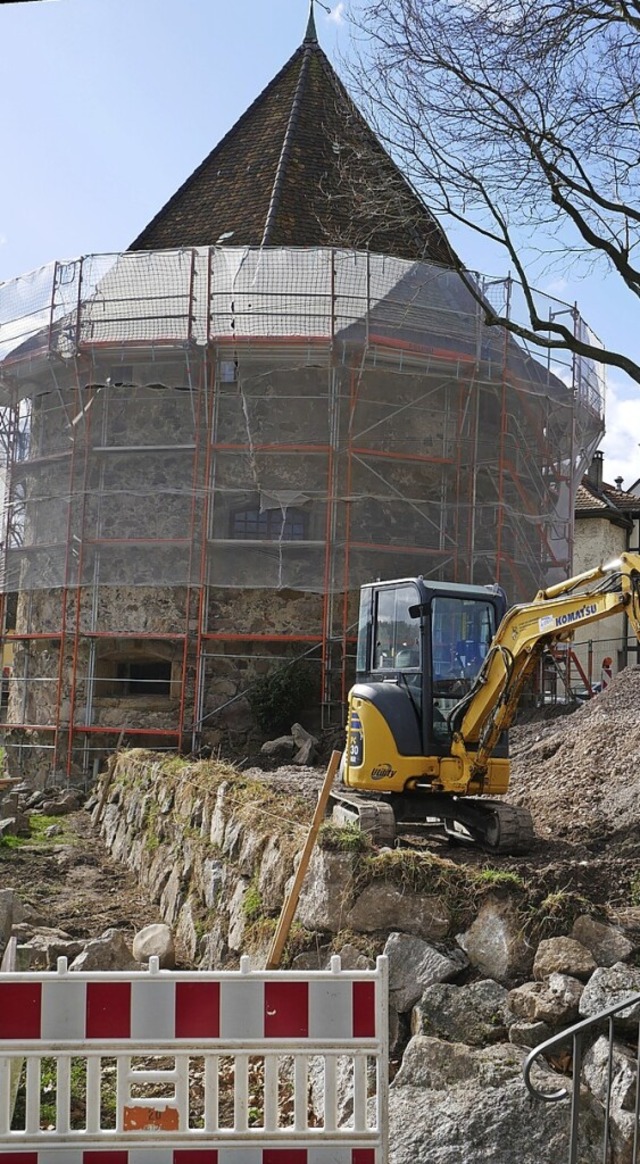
x,y
209,450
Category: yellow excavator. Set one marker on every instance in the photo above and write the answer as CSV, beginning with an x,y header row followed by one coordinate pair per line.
x,y
439,673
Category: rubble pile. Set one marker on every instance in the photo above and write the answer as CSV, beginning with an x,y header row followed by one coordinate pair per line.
x,y
578,774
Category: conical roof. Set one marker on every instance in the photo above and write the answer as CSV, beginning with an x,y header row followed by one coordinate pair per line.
x,y
300,168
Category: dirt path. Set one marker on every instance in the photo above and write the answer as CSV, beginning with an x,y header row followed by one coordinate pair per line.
x,y
70,882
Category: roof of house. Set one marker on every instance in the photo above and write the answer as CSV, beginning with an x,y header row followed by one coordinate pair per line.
x,y
301,167
606,501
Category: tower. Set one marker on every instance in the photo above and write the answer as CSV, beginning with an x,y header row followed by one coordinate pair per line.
x,y
281,390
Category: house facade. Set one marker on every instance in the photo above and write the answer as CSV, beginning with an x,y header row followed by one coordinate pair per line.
x,y
607,523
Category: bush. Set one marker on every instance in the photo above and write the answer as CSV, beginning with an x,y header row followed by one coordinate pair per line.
x,y
277,699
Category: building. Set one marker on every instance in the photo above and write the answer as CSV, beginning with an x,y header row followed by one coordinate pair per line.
x,y
281,390
607,523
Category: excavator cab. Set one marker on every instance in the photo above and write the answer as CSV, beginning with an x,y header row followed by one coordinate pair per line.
x,y
421,645
421,650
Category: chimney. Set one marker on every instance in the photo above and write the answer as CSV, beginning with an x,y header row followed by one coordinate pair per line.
x,y
594,472
619,481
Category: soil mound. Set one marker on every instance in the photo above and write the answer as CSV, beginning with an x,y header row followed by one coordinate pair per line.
x,y
580,774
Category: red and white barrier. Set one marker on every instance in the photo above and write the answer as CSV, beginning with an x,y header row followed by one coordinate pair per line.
x,y
149,1040
156,1009
193,1156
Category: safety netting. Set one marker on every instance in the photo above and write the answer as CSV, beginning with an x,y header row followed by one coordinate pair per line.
x,y
284,419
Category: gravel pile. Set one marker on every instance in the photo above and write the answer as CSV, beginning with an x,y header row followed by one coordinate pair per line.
x,y
580,774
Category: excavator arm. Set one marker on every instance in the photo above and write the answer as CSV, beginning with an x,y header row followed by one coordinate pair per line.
x,y
489,708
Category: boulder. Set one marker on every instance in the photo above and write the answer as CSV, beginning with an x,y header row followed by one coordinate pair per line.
x,y
495,944
54,808
554,1001
37,798
45,945
71,800
155,940
313,959
438,1064
563,956
351,958
525,1034
623,1074
381,906
608,986
108,952
623,1091
327,892
281,749
476,1014
414,965
608,944
449,1103
305,754
305,744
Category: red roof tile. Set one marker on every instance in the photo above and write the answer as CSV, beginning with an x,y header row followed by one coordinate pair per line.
x,y
606,500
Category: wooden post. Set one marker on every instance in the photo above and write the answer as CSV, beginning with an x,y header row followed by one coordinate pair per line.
x,y
291,902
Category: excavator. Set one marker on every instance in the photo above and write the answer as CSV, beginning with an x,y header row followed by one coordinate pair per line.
x,y
440,669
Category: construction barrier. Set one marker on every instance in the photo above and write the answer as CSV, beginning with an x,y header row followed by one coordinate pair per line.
x,y
195,1068
606,675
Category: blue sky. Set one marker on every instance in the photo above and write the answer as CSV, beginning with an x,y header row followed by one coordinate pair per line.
x,y
108,105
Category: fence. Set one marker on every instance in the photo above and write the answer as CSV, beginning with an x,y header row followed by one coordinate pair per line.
x,y
605,1048
241,1067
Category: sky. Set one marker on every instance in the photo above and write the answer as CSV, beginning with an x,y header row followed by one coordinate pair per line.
x,y
108,105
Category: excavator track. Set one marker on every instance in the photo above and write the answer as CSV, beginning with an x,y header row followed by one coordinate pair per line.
x,y
372,816
495,826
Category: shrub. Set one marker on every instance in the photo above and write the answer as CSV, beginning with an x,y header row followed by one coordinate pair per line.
x,y
278,698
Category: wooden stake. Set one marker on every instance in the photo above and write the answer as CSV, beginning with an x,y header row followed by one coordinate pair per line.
x,y
291,902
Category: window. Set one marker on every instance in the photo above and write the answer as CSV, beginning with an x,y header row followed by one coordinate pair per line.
x,y
270,525
144,678
396,635
461,632
130,668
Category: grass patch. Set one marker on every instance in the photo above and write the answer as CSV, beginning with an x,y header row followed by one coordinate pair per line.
x,y
174,765
555,914
499,877
38,826
252,902
343,839
9,842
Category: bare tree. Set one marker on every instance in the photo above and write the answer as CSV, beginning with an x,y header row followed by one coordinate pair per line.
x,y
521,120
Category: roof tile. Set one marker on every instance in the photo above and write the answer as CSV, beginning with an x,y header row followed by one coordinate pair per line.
x,y
301,167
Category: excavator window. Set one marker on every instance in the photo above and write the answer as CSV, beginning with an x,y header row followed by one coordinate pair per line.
x,y
396,645
461,631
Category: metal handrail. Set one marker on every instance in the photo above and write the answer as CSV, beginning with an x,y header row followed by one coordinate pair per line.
x,y
578,1033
